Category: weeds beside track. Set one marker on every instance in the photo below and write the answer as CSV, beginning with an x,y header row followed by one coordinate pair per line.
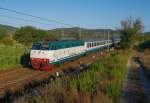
x,y
100,83
11,56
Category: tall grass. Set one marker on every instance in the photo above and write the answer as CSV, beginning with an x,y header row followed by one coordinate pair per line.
x,y
107,74
101,83
10,56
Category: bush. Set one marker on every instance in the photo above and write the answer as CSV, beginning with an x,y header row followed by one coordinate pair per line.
x,y
10,56
6,37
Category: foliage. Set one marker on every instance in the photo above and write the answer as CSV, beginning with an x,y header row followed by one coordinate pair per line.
x,y
2,32
10,56
8,28
107,74
27,35
101,83
130,29
5,37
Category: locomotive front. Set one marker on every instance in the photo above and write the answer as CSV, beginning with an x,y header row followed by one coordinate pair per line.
x,y
40,56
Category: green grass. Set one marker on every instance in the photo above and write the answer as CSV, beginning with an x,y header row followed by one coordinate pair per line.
x,y
101,83
109,71
106,76
10,56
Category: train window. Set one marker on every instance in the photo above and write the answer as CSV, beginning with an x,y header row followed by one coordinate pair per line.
x,y
92,44
95,44
88,45
52,47
45,46
36,46
99,43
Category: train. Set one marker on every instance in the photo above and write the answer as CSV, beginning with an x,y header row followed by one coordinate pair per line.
x,y
45,55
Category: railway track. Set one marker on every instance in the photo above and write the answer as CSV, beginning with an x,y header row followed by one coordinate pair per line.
x,y
15,79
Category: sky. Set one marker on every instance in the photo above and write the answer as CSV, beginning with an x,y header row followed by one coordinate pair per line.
x,y
93,14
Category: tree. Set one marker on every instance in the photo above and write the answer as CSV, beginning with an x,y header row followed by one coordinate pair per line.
x,y
5,37
27,35
24,35
2,32
130,29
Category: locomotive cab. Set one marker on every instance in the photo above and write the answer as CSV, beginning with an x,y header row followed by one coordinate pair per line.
x,y
40,56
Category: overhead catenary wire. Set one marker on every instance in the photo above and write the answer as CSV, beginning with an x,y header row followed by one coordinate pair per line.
x,y
61,24
38,17
11,24
26,20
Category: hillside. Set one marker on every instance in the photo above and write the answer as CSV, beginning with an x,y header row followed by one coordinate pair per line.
x,y
147,33
85,33
9,28
83,30
71,32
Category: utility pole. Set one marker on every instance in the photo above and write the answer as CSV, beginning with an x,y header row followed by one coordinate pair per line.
x,y
62,33
80,33
105,36
108,40
104,33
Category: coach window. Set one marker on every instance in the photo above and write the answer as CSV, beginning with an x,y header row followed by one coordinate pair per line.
x,y
88,45
99,43
92,44
95,44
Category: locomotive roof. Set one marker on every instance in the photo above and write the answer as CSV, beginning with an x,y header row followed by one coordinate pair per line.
x,y
94,40
97,39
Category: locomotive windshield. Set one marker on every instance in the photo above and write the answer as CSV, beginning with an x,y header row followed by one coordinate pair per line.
x,y
36,46
39,46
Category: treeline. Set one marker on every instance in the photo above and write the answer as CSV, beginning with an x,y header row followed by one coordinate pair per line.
x,y
25,35
6,37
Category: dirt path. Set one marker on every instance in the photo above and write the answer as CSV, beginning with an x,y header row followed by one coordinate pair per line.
x,y
135,85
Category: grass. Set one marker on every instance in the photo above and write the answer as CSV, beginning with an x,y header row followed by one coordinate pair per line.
x,y
10,56
107,73
101,83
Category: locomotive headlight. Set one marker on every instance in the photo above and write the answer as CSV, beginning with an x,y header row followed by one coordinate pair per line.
x,y
32,59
